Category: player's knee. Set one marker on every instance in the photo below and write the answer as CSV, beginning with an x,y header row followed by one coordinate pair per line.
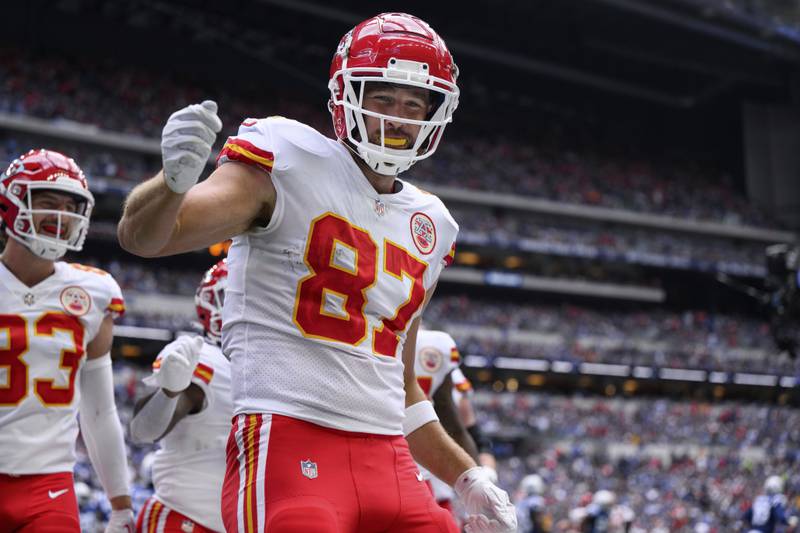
x,y
309,517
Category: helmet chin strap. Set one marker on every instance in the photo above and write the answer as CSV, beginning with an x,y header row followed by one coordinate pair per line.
x,y
44,250
47,251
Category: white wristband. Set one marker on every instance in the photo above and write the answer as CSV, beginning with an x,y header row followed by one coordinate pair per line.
x,y
418,415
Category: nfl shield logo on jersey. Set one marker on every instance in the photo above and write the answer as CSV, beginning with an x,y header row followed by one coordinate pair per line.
x,y
309,469
187,526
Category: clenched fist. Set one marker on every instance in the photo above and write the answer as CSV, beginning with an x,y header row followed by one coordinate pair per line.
x,y
178,362
186,143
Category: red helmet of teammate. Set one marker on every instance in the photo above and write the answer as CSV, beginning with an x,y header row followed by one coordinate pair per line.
x,y
402,50
209,298
45,170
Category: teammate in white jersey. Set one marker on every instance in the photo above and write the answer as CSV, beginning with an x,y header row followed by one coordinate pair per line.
x,y
436,359
56,330
439,376
190,414
332,262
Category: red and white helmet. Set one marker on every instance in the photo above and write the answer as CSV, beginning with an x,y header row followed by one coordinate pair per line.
x,y
45,170
209,298
399,49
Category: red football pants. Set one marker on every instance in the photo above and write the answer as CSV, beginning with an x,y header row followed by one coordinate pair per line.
x,y
285,476
38,503
155,517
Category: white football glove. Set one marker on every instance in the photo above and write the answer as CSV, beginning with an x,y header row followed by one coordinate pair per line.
x,y
488,506
491,473
186,143
177,365
121,521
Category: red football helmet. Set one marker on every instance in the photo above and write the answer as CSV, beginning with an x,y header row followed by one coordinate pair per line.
x,y
402,50
45,170
209,298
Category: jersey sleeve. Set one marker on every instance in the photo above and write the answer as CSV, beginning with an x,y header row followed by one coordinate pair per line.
x,y
460,381
204,371
452,357
451,255
116,302
252,145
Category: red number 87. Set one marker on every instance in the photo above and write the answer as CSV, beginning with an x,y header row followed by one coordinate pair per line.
x,y
349,284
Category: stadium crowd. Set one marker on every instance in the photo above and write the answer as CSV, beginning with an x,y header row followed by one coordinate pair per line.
x,y
660,338
610,243
135,101
681,466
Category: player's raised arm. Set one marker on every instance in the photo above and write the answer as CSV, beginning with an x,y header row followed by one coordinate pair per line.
x,y
171,214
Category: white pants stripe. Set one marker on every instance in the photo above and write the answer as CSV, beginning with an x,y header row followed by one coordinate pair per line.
x,y
266,425
239,436
162,519
242,435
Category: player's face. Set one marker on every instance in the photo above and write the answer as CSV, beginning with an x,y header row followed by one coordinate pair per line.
x,y
47,224
397,101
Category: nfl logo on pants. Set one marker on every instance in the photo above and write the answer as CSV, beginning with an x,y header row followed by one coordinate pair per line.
x,y
309,468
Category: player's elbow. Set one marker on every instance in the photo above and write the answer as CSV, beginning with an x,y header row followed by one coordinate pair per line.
x,y
126,237
139,433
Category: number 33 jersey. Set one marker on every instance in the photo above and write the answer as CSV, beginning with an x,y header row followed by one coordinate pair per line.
x,y
319,301
44,331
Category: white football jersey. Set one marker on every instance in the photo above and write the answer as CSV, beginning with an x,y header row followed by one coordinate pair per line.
x,y
318,302
437,356
189,468
44,331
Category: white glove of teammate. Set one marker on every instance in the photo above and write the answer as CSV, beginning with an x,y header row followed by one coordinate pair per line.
x,y
177,365
186,143
488,506
491,473
121,521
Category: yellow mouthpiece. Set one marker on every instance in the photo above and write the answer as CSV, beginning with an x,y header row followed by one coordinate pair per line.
x,y
394,142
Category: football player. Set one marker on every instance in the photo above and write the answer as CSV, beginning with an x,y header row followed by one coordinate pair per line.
x,y
190,414
768,510
531,506
56,330
436,359
333,260
598,513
